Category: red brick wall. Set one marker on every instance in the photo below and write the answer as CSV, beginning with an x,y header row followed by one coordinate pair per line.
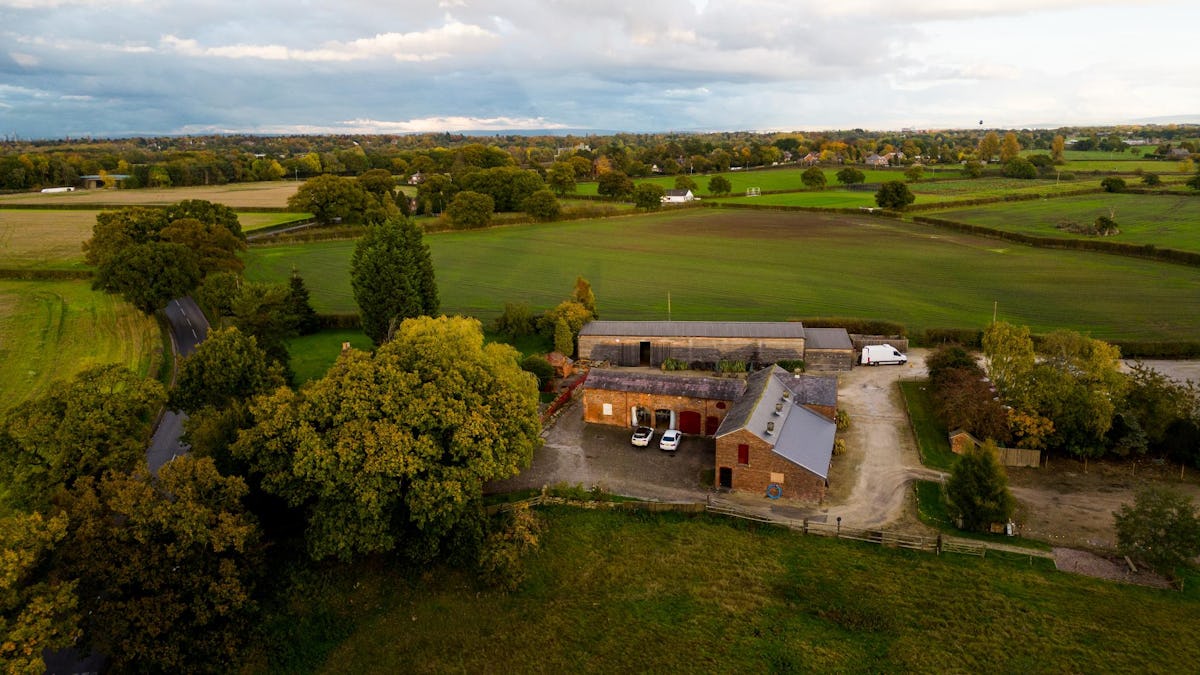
x,y
798,482
623,401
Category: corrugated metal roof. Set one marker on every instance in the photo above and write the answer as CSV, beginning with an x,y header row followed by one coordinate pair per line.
x,y
711,388
732,329
827,338
807,440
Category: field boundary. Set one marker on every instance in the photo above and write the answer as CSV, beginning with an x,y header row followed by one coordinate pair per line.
x,y
889,538
1146,252
44,275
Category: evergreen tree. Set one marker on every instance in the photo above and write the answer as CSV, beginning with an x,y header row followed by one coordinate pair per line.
x,y
392,277
583,295
299,306
977,490
564,343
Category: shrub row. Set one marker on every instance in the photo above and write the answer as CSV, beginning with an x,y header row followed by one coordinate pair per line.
x,y
312,234
967,337
326,321
44,275
855,325
935,206
875,211
972,338
1148,251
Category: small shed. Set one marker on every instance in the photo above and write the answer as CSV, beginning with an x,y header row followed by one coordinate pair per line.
x,y
961,441
677,197
828,349
563,364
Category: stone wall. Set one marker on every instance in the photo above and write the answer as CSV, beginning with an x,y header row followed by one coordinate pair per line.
x,y
766,467
829,359
621,403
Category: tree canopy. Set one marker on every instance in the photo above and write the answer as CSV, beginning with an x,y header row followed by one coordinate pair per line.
x,y
813,178
37,612
391,273
648,196
977,489
395,446
894,194
332,199
469,210
719,185
1161,529
101,420
227,365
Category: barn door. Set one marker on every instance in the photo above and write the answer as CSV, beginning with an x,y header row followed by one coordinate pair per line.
x,y
631,354
689,422
711,424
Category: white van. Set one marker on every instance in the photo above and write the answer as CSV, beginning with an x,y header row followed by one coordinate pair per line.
x,y
874,355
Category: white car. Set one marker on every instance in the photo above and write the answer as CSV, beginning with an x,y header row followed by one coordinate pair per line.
x,y
670,440
642,436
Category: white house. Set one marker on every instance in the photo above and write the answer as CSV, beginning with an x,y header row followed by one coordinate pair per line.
x,y
677,197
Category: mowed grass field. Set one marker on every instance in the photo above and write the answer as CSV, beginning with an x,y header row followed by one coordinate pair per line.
x,y
776,179
47,239
1165,221
611,592
234,195
51,330
739,265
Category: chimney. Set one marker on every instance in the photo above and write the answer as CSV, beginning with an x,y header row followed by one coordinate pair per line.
x,y
770,428
779,408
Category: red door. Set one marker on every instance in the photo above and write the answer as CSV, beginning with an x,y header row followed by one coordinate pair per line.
x,y
689,422
710,426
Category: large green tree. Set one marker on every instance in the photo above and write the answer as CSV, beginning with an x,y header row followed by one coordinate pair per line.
x,y
614,184
1161,529
470,210
850,176
508,186
393,447
813,178
894,194
719,185
1009,355
169,555
648,196
99,421
391,273
977,489
150,275
264,311
332,199
1078,385
561,178
226,366
37,611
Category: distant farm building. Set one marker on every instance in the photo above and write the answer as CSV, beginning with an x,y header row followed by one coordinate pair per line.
x,y
705,344
91,182
678,197
875,160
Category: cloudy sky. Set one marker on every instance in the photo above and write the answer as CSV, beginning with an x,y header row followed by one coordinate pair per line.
x,y
126,67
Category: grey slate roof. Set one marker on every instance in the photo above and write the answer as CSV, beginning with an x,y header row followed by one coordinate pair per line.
x,y
799,434
827,338
712,388
739,329
677,193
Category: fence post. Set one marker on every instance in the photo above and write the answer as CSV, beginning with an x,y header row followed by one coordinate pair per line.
x,y
938,550
805,530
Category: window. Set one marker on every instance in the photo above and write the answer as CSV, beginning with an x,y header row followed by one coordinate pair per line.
x,y
608,409
777,478
720,405
743,453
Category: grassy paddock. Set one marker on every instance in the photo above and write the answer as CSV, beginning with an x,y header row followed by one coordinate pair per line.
x,y
614,592
312,355
1165,221
736,265
932,437
51,330
778,179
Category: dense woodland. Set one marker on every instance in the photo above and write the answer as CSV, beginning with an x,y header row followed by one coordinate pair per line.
x,y
218,159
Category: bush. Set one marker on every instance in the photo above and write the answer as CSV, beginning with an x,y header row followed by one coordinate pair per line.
x,y
967,337
501,562
1019,167
1151,179
470,210
1160,529
724,366
674,364
542,205
842,420
894,195
648,196
855,325
977,491
839,447
791,365
516,320
813,178
540,367
1113,184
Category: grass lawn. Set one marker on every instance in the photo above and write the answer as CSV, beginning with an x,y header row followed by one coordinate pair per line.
x,y
932,437
1166,221
931,510
312,355
835,198
769,266
51,330
257,221
611,592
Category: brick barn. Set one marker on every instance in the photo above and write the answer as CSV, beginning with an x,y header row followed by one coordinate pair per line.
x,y
704,344
694,405
780,432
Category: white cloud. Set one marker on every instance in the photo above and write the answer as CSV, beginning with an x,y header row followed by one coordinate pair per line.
x,y
447,40
24,60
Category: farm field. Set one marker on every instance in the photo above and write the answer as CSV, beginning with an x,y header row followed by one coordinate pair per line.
x,y
235,195
51,330
699,594
48,239
834,198
738,265
312,355
926,192
775,179
1165,221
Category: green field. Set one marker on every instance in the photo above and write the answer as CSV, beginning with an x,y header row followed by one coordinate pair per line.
x,y
739,265
312,355
778,179
51,330
834,198
1166,221
618,593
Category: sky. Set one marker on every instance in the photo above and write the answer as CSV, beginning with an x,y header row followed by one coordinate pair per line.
x,y
70,68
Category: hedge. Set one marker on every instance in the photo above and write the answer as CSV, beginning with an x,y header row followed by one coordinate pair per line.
x,y
44,275
855,325
325,321
967,337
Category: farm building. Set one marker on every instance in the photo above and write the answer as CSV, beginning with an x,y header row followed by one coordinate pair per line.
x,y
773,427
704,344
678,197
779,436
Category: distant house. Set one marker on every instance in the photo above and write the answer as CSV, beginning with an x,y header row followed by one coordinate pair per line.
x,y
810,159
677,197
894,157
1178,153
777,439
416,179
875,160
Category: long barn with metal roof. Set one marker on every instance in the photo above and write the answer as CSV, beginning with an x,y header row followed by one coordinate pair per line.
x,y
705,344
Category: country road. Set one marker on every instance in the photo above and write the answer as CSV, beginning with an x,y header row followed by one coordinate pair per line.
x,y
188,329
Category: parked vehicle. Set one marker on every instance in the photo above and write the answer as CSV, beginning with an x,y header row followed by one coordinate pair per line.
x,y
642,436
670,440
875,355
